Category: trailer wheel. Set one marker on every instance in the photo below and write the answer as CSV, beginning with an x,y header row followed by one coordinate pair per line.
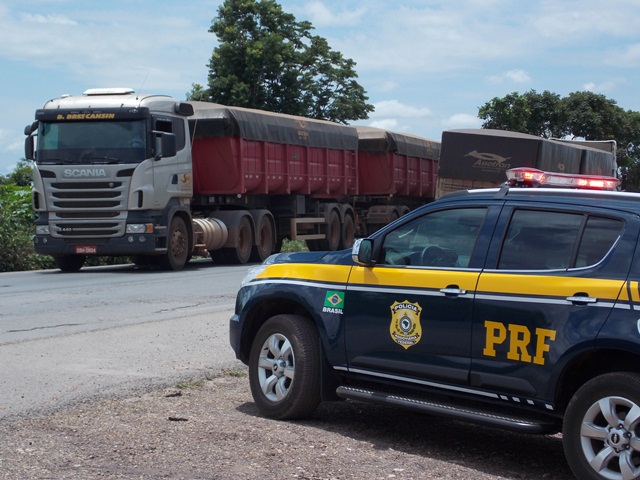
x,y
242,252
70,263
348,232
177,245
333,232
264,240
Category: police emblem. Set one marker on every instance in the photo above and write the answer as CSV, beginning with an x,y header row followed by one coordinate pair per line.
x,y
405,327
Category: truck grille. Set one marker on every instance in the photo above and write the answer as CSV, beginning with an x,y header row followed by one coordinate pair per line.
x,y
86,208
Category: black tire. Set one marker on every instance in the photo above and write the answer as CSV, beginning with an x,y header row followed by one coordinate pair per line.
x,y
70,263
602,444
284,367
348,234
241,254
264,240
177,245
333,232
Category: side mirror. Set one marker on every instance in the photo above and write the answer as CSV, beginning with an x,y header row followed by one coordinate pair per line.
x,y
29,149
32,127
362,252
166,145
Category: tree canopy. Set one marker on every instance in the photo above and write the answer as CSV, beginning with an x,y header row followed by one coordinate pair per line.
x,y
267,60
584,115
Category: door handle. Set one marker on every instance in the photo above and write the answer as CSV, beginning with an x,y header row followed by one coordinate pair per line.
x,y
581,299
453,291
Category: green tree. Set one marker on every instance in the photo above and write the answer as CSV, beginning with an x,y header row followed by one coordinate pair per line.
x,y
16,228
22,175
540,114
267,60
593,117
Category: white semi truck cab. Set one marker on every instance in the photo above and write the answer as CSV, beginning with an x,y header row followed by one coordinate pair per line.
x,y
112,176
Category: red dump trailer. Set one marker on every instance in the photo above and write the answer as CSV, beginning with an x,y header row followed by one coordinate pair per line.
x,y
397,172
318,181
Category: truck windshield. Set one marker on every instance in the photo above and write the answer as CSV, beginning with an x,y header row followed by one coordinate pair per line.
x,y
91,142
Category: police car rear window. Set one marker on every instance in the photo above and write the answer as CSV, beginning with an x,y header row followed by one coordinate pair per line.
x,y
543,240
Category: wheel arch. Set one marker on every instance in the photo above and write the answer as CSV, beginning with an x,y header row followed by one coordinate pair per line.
x,y
262,311
589,365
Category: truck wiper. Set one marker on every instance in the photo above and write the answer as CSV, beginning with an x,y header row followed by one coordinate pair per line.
x,y
103,160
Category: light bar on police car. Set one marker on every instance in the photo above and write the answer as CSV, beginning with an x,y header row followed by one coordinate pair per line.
x,y
532,177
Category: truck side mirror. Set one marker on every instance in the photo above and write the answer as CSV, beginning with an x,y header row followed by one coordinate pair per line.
x,y
32,127
29,150
165,145
362,252
29,145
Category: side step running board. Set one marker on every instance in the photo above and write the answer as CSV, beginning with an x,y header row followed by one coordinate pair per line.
x,y
459,412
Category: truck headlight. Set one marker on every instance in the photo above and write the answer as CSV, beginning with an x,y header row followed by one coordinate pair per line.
x,y
43,230
140,228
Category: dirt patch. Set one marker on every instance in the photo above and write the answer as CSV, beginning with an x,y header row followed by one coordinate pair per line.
x,y
210,429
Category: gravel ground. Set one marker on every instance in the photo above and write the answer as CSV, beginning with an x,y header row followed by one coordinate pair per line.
x,y
210,429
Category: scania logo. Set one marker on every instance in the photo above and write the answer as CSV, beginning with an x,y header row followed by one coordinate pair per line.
x,y
85,172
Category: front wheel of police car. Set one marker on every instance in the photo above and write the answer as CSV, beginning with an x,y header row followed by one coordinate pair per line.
x,y
284,367
601,431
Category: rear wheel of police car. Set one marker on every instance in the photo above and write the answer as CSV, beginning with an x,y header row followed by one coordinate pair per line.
x,y
284,367
601,431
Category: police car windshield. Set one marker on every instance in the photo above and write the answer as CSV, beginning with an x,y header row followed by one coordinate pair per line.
x,y
91,142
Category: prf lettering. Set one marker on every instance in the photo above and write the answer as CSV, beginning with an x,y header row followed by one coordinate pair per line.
x,y
519,338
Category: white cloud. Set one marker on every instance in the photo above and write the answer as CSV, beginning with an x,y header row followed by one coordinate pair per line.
x,y
515,76
50,19
386,124
462,120
321,15
394,108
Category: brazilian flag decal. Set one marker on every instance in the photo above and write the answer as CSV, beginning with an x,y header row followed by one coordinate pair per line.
x,y
333,302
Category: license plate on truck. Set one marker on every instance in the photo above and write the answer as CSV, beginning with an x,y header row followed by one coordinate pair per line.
x,y
86,250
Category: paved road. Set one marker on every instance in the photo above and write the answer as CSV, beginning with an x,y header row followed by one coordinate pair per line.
x,y
104,330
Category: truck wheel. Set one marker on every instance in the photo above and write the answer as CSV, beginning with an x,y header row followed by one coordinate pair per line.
x,y
242,252
177,245
70,263
264,240
332,233
348,232
284,367
601,432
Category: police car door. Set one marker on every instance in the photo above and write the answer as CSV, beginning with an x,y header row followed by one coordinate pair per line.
x,y
551,280
408,318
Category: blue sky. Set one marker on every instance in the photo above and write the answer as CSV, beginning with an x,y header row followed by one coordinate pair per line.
x,y
427,66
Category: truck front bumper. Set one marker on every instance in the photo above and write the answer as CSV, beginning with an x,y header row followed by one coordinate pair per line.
x,y
133,244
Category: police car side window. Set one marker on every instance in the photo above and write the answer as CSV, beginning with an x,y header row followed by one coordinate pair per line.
x,y
544,240
444,238
598,238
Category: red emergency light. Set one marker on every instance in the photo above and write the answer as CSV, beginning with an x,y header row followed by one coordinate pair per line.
x,y
532,177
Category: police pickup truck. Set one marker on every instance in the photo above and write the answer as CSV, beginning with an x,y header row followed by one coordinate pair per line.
x,y
517,308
